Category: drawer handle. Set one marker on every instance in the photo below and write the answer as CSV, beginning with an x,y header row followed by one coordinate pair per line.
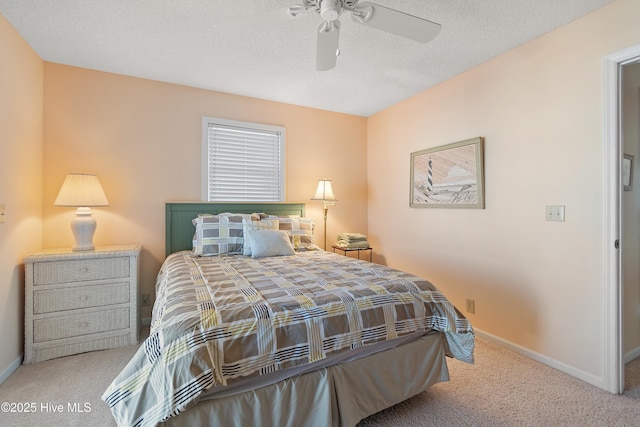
x,y
84,270
83,324
84,297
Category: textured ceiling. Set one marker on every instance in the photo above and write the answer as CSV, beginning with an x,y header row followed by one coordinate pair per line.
x,y
174,41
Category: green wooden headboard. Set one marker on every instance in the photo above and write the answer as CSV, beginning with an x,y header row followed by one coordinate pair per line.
x,y
179,229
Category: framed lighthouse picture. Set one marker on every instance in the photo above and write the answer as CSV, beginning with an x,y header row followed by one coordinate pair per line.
x,y
449,176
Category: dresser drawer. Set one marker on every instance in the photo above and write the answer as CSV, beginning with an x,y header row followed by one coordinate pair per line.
x,y
80,324
48,301
46,273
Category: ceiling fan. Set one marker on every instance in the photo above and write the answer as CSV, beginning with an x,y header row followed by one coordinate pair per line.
x,y
365,13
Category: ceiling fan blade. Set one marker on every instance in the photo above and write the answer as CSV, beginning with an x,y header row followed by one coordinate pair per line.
x,y
327,49
395,22
259,21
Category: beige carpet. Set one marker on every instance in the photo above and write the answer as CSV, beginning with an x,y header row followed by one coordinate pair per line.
x,y
506,389
501,389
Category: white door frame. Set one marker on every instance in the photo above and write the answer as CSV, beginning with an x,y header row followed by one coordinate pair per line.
x,y
613,369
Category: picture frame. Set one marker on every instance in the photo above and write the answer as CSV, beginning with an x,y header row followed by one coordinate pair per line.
x,y
449,176
627,172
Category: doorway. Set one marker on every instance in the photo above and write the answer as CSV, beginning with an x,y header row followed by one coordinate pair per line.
x,y
630,205
613,369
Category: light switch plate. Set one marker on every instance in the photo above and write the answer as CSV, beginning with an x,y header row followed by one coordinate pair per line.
x,y
554,212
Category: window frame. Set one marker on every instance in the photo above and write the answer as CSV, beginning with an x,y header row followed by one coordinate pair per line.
x,y
206,121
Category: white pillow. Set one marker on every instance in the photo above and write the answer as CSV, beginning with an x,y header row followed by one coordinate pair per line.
x,y
266,243
253,225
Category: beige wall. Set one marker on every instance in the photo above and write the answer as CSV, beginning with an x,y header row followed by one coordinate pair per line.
x,y
631,211
20,182
143,140
538,285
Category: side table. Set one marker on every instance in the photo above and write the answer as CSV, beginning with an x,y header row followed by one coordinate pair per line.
x,y
357,250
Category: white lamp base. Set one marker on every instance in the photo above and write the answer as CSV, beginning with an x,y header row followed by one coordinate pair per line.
x,y
83,227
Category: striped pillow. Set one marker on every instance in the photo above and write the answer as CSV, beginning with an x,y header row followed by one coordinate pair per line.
x,y
300,230
219,234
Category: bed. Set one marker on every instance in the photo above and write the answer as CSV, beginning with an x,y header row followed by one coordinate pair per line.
x,y
272,331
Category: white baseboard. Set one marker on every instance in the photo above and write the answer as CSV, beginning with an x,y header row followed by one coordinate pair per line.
x,y
11,368
545,360
633,354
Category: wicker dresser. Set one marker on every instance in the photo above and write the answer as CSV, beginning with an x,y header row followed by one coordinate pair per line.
x,y
80,301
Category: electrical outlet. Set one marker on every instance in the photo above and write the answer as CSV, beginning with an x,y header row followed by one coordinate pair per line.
x,y
471,305
146,300
554,213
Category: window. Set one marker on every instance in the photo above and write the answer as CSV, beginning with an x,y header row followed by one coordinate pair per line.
x,y
242,161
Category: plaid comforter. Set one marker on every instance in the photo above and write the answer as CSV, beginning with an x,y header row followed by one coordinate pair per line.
x,y
217,319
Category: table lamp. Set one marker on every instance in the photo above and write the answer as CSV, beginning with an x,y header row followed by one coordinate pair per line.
x,y
82,191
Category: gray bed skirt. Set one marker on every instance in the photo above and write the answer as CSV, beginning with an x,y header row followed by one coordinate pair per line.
x,y
340,395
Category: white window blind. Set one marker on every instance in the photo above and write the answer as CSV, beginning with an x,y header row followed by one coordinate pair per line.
x,y
242,161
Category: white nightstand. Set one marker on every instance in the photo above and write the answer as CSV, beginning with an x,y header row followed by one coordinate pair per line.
x,y
80,301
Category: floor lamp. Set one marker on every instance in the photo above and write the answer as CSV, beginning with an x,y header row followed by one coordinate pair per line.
x,y
324,192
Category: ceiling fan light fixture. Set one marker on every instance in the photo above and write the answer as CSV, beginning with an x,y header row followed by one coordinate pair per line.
x,y
362,14
296,10
330,9
328,30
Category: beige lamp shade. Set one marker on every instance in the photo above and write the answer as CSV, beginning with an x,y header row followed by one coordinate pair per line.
x,y
324,191
81,190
